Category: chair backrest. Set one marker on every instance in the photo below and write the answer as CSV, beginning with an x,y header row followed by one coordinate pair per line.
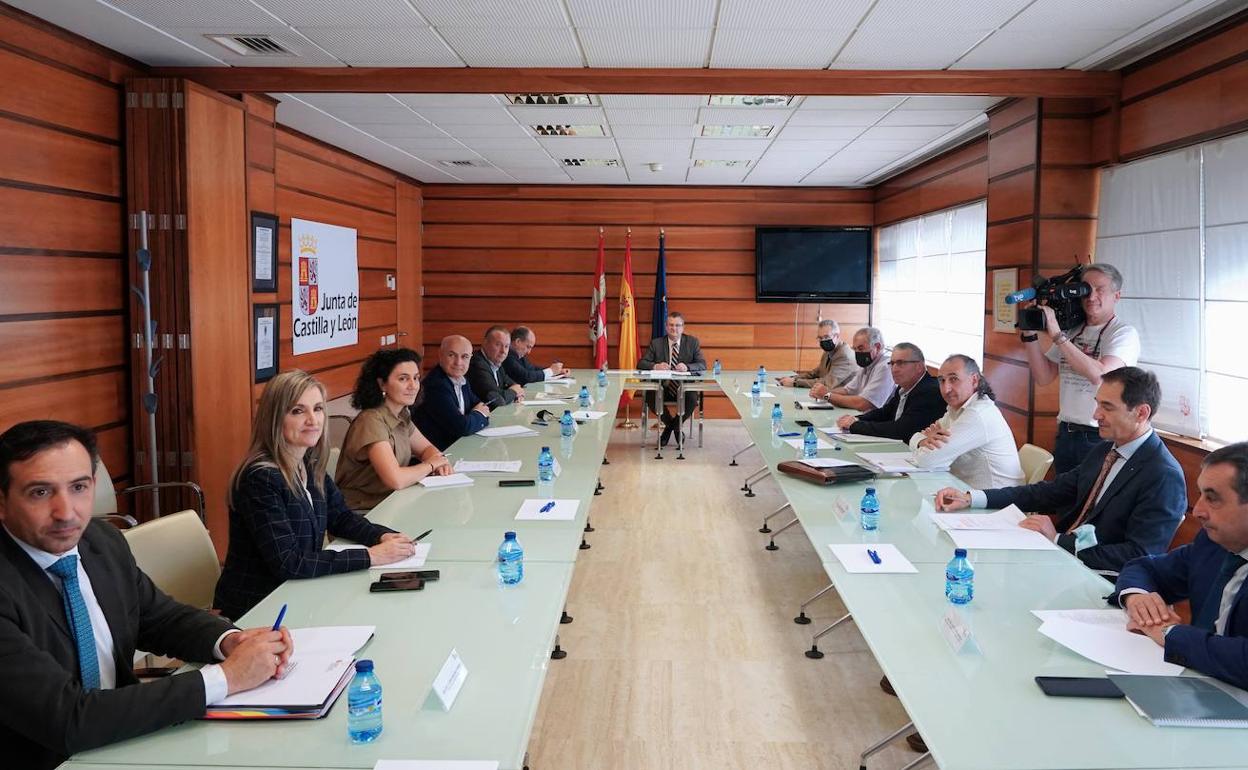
x,y
331,465
177,554
105,493
1035,461
338,426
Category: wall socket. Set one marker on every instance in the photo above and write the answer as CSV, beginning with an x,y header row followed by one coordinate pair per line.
x,y
390,281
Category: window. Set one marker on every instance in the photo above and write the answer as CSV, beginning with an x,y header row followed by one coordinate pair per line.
x,y
930,289
1176,225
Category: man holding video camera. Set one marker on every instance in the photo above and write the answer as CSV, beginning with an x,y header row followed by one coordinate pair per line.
x,y
1093,342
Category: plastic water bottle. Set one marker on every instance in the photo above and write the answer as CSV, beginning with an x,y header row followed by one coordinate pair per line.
x,y
602,377
546,465
364,704
756,390
584,397
869,510
959,578
762,373
777,419
716,368
567,426
810,444
510,560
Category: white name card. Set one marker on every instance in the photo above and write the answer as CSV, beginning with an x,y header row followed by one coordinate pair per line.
x,y
956,631
450,679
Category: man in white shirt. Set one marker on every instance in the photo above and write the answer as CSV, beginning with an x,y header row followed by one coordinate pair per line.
x,y
1080,356
74,607
872,385
972,438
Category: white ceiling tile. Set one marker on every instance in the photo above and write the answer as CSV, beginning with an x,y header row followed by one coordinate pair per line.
x,y
883,145
773,48
511,159
554,175
642,151
1036,48
850,102
375,114
416,145
672,131
616,175
444,153
468,115
500,144
449,100
1068,15
334,13
978,103
750,148
395,131
579,146
633,47
906,47
306,53
510,47
656,117
467,131
919,15
773,178
491,13
484,175
904,117
332,102
385,46
662,14
742,116
573,116
820,133
916,133
791,14
715,175
807,117
814,146
649,101
240,14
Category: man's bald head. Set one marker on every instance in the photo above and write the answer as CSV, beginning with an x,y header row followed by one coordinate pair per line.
x,y
454,355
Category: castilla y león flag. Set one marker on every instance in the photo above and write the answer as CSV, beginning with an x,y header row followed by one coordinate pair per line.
x,y
598,309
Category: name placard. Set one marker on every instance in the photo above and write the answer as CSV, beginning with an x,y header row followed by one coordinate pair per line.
x,y
956,631
449,681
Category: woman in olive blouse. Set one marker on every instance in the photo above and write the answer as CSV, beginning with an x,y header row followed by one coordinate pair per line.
x,y
383,451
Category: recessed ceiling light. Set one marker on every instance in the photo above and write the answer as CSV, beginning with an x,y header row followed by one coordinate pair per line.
x,y
569,130
583,100
712,163
591,162
465,163
737,100
737,131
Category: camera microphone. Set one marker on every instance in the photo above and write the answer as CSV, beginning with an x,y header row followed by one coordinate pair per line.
x,y
1020,296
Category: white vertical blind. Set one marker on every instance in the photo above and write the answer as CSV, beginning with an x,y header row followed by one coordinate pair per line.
x,y
1226,287
930,288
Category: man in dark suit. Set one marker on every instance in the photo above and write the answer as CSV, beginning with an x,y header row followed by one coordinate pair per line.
x,y
915,404
74,607
677,352
1210,572
448,409
486,375
517,364
1123,501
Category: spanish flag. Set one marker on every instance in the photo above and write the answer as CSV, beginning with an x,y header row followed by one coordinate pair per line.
x,y
628,315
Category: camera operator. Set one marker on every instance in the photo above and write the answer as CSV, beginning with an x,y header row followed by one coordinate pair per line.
x,y
1080,355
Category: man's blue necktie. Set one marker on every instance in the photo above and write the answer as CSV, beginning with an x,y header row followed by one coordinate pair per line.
x,y
79,621
1213,601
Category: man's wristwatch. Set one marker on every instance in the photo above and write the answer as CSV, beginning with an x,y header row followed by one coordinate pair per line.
x,y
1029,337
1060,338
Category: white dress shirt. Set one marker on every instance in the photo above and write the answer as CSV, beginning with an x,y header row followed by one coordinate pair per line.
x,y
459,383
215,685
980,449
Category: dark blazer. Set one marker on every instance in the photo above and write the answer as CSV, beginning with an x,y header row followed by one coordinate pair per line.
x,y
45,715
520,370
481,379
924,406
1189,572
689,354
277,535
1137,514
437,413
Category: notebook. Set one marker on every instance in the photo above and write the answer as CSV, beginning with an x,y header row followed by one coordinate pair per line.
x,y
1182,701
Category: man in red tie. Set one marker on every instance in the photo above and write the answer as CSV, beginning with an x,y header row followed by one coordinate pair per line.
x,y
1126,498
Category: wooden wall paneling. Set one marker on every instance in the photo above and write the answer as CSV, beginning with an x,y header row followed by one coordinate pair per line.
x,y
1208,50
409,205
58,284
1012,197
49,157
1011,244
60,97
585,236
1013,148
301,172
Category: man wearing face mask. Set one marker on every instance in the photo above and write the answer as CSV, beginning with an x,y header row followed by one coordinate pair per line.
x,y
871,386
1080,357
835,367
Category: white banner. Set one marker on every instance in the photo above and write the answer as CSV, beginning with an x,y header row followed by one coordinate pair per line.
x,y
325,281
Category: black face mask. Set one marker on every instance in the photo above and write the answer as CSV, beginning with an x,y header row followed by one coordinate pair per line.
x,y
827,345
863,359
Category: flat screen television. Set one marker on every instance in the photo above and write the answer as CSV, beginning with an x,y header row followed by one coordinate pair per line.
x,y
805,264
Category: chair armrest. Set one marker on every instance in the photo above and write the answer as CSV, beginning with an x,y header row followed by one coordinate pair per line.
x,y
199,493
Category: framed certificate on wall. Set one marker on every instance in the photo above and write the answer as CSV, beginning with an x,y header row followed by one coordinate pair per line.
x,y
265,331
263,251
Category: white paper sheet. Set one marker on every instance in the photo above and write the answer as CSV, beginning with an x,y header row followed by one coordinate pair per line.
x,y
441,482
828,462
854,558
1107,617
1006,518
1017,539
1115,648
545,402
563,510
796,443
507,430
830,430
488,466
415,561
815,405
588,414
896,462
857,438
322,656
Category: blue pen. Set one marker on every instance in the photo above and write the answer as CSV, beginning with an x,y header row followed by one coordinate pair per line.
x,y
548,507
788,435
875,557
281,614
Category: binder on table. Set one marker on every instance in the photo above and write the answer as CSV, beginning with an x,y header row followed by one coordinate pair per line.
x,y
1182,701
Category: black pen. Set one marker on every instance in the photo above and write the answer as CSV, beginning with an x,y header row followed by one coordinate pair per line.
x,y
421,536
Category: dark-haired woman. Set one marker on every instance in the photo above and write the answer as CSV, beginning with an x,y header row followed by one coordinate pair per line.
x,y
382,443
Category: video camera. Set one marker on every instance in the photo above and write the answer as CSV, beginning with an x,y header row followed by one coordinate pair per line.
x,y
1064,293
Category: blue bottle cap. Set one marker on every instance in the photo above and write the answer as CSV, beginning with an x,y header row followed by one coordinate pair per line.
x,y
870,490
363,666
545,449
959,553
509,535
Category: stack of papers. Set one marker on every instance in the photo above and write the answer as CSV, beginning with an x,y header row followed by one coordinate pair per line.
x,y
858,438
587,415
830,430
997,531
488,466
828,462
895,462
556,510
316,675
1102,637
796,443
453,480
507,430
854,557
546,401
415,561
815,405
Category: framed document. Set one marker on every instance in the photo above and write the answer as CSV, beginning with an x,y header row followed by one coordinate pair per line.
x,y
264,326
1004,283
263,251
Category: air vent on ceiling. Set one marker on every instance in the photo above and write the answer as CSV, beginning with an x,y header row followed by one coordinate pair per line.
x,y
252,45
737,131
755,100
567,130
712,163
591,162
576,100
465,163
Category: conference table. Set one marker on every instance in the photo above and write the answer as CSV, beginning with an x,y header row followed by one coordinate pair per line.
x,y
977,708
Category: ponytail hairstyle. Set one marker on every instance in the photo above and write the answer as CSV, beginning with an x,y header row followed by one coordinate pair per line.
x,y
970,367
